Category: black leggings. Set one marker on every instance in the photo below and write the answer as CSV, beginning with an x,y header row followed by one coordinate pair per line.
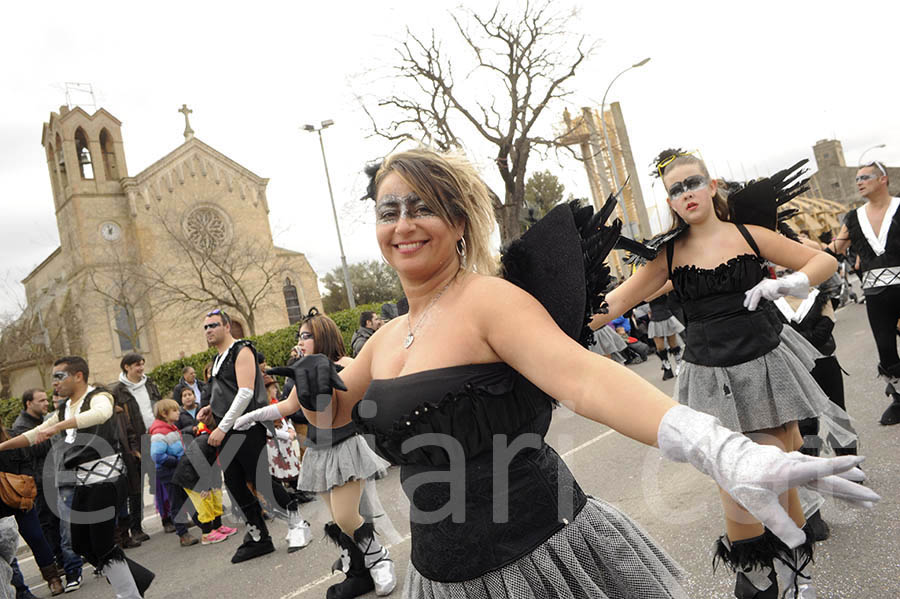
x,y
251,465
884,310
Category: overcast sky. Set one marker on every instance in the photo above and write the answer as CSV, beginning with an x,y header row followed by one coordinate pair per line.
x,y
752,85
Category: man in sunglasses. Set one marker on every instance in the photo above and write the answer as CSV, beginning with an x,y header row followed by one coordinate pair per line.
x,y
89,459
873,231
237,387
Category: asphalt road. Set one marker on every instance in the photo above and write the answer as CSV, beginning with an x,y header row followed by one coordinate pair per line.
x,y
677,505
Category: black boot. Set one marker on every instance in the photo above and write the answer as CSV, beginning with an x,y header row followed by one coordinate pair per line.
x,y
751,561
257,541
341,564
136,516
817,528
790,566
358,581
667,368
892,414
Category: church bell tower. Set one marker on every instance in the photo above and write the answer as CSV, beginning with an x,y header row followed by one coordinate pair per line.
x,y
86,162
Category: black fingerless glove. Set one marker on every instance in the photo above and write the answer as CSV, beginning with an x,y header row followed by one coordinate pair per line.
x,y
315,378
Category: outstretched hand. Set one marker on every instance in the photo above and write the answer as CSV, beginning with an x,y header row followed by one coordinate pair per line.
x,y
755,475
766,472
315,379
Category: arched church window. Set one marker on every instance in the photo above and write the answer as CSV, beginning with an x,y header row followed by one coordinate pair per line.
x,y
126,328
207,228
54,171
237,329
294,311
85,164
109,156
60,156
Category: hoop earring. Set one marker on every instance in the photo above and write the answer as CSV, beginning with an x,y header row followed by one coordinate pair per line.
x,y
385,261
461,251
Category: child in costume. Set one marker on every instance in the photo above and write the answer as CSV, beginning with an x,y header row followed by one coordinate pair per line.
x,y
736,366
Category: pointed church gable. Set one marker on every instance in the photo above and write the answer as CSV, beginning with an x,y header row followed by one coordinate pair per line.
x,y
194,149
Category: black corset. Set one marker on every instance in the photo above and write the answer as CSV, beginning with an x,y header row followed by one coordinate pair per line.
x,y
720,330
467,424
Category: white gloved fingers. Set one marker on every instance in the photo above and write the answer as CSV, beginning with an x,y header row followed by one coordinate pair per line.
x,y
765,507
752,297
854,474
805,469
243,423
842,488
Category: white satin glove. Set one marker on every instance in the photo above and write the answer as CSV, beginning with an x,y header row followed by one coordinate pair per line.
x,y
795,284
263,414
755,475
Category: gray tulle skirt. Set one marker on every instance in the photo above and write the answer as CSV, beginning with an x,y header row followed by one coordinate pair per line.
x,y
664,328
771,390
602,554
353,459
800,347
607,341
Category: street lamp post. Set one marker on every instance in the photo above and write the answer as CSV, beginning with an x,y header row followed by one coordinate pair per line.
x,y
609,152
347,283
866,150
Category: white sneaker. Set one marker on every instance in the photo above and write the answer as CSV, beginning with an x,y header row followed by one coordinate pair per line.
x,y
299,534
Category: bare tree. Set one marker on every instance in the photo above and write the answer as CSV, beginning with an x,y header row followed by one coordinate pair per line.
x,y
531,54
124,286
234,272
36,338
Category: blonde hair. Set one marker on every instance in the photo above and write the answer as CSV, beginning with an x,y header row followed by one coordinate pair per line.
x,y
720,199
163,406
452,189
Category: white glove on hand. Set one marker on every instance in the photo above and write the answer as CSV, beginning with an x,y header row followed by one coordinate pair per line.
x,y
755,475
795,284
266,413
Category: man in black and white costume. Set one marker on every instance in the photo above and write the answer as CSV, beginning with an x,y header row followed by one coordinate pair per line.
x,y
90,461
873,231
236,387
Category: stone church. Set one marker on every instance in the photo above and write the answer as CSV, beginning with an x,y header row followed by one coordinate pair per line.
x,y
143,257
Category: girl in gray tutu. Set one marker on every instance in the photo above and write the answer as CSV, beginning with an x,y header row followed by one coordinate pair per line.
x,y
737,365
664,328
337,463
461,390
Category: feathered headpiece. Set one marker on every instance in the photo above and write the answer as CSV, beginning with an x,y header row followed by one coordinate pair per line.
x,y
371,169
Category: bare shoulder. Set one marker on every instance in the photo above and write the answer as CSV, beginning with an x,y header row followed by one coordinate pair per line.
x,y
759,232
496,289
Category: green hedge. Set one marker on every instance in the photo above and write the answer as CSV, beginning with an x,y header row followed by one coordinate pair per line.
x,y
9,409
275,345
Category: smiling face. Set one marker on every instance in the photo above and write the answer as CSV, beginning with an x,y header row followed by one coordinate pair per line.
x,y
412,238
690,192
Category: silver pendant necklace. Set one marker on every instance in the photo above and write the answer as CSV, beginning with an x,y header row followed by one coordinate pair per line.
x,y
412,330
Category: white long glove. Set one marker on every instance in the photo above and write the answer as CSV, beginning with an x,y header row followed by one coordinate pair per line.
x,y
795,284
755,475
263,414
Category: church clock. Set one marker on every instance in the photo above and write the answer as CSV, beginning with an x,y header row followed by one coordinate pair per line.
x,y
110,231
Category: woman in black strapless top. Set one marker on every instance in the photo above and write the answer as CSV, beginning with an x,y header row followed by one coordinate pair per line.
x,y
459,393
736,367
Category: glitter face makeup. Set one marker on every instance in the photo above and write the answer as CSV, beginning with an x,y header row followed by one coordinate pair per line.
x,y
391,208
